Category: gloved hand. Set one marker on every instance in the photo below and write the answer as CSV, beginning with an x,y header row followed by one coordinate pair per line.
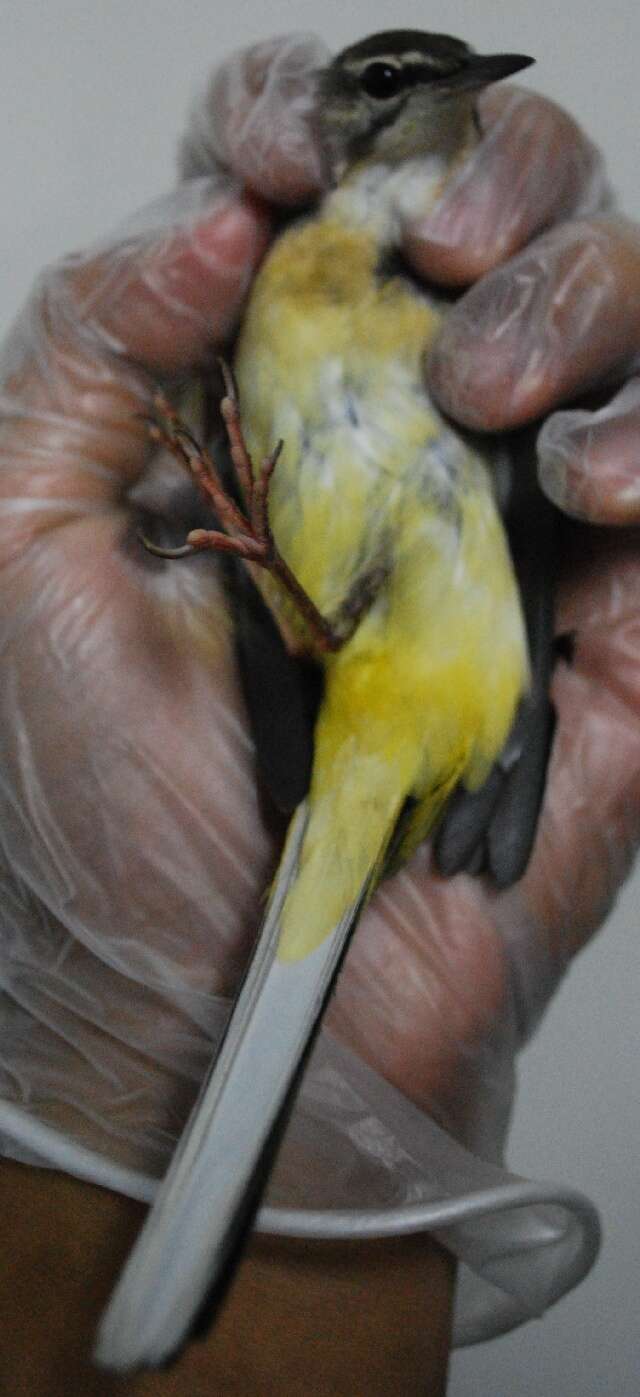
x,y
134,854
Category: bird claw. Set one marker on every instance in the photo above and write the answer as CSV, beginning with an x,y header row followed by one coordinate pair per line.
x,y
185,550
246,534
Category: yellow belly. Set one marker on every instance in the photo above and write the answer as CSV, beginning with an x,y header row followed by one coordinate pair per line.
x,y
424,692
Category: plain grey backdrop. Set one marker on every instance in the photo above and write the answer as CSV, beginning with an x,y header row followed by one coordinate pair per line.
x,y
91,99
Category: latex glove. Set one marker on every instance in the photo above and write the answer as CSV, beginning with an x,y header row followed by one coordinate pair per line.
x,y
134,852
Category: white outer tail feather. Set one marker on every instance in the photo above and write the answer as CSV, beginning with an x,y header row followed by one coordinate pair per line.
x,y
182,1247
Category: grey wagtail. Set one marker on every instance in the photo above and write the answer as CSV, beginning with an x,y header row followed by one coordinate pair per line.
x,y
373,530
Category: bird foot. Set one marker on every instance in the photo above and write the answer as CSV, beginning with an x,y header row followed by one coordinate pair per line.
x,y
246,533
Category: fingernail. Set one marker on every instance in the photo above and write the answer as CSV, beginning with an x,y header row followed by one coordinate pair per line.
x,y
226,230
552,474
562,470
232,233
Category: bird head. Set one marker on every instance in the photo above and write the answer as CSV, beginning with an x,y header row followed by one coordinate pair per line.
x,y
402,94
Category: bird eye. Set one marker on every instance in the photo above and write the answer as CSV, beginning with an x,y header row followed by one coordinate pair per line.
x,y
381,80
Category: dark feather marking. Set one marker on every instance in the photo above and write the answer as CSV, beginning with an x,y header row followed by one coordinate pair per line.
x,y
397,41
512,829
392,861
361,144
391,264
467,817
352,410
494,829
282,695
565,646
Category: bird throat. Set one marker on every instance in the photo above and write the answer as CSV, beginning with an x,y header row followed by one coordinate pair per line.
x,y
382,198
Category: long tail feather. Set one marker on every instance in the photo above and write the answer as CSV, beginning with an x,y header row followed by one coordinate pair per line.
x,y
187,1250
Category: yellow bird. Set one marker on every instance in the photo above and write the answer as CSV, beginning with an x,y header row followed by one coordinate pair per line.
x,y
375,536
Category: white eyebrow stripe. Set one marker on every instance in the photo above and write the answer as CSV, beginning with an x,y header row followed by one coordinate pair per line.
x,y
391,59
395,60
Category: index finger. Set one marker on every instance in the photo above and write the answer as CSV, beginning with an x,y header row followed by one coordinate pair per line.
x,y
532,168
255,119
556,321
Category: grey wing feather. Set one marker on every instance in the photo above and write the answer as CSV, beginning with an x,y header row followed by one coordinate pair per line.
x,y
493,830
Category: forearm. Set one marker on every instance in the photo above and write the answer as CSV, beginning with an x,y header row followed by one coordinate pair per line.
x,y
323,1318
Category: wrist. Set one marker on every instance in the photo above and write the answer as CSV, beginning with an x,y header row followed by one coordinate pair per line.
x,y
323,1317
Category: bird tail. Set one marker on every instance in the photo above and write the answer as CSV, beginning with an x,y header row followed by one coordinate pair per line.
x,y
185,1255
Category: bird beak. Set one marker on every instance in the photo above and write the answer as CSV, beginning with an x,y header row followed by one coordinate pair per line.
x,y
482,69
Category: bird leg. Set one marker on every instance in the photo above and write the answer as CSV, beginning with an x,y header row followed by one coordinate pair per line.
x,y
246,534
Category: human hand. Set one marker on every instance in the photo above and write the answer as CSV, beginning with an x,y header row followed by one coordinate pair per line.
x,y
130,881
135,852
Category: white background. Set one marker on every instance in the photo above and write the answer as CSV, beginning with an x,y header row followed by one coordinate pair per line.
x,y
91,98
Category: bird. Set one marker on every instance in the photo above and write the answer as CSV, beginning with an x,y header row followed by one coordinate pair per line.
x,y
371,538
